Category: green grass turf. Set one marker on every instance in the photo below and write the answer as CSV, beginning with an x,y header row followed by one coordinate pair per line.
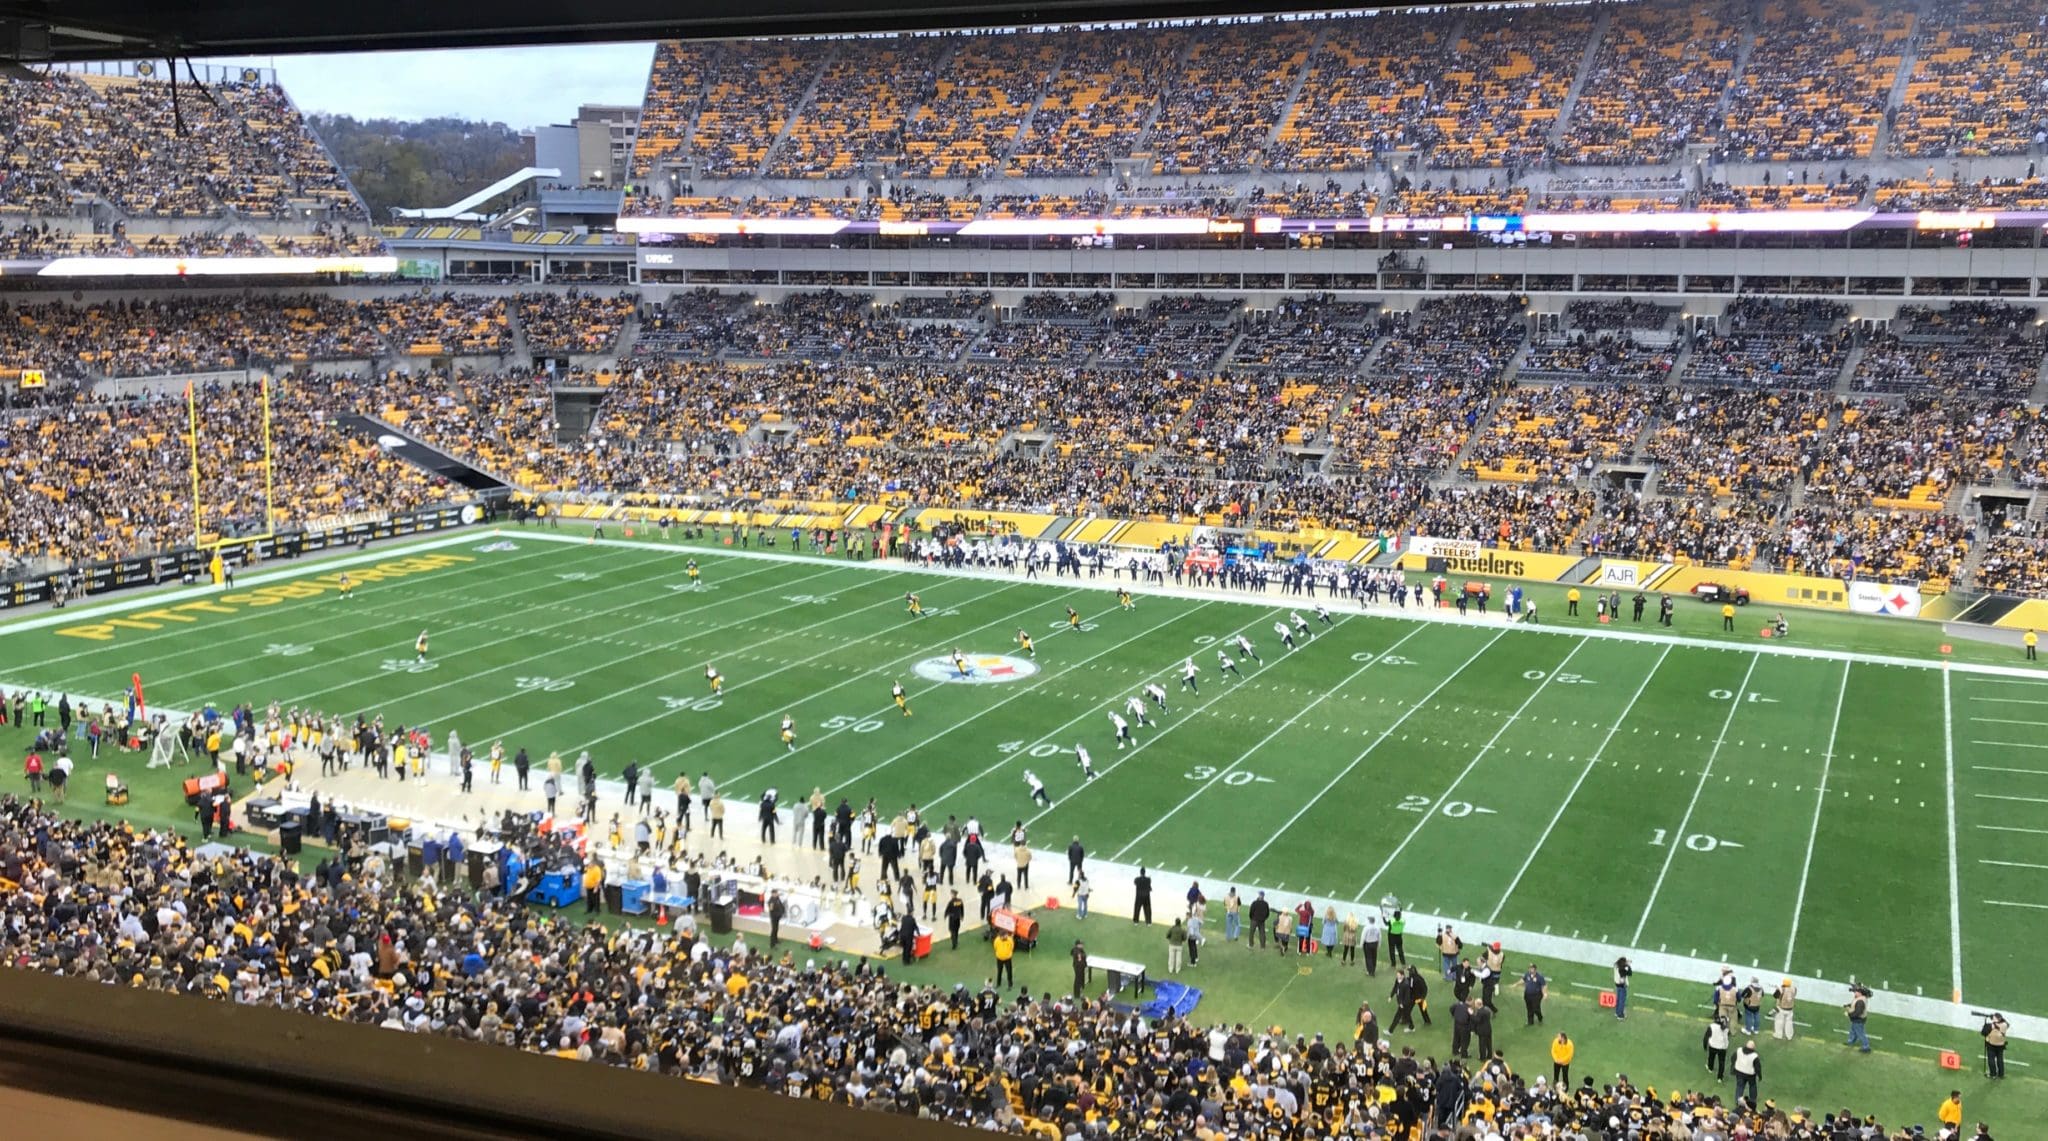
x,y
1659,794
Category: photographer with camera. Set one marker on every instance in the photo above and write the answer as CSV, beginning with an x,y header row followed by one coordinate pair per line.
x,y
1858,1011
1994,1031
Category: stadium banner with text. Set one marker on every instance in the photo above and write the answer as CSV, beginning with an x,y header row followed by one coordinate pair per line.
x,y
1430,547
1867,597
1489,562
188,564
1765,588
1631,574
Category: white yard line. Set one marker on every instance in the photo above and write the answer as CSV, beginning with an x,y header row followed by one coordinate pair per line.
x,y
2010,744
2011,721
2018,799
2005,769
1469,766
1364,753
2009,828
1168,674
1591,762
2013,903
1820,800
2019,675
1248,754
581,618
674,648
2012,864
214,647
324,664
935,649
1027,690
1955,895
1706,772
2010,700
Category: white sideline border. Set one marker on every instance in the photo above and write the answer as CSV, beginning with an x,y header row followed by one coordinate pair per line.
x,y
1170,885
1383,610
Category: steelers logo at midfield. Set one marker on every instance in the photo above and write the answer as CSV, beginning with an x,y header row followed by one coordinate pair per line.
x,y
982,669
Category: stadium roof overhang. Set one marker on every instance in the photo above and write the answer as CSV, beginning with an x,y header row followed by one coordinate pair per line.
x,y
34,30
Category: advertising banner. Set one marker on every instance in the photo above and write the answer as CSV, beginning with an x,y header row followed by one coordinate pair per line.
x,y
1881,598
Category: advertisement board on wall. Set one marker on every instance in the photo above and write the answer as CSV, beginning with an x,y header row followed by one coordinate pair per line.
x,y
1490,562
1884,598
1434,548
1628,573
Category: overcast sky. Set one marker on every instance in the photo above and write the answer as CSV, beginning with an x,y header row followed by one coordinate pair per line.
x,y
520,87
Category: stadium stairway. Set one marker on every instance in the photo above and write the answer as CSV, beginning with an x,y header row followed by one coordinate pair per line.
x,y
796,111
1850,361
1571,96
1308,64
1745,46
2039,394
1022,134
520,350
1909,55
1143,136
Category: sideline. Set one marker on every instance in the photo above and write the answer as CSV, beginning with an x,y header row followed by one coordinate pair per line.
x,y
1272,597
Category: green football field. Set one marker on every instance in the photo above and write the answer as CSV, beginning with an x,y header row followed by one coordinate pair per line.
x,y
1825,808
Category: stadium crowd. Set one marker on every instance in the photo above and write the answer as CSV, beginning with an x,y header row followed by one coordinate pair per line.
x,y
1316,413
358,940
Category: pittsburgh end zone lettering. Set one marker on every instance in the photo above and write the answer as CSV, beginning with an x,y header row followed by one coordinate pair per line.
x,y
312,587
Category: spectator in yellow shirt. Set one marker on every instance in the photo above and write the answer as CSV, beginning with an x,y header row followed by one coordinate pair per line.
x,y
1561,1052
1006,948
1951,1111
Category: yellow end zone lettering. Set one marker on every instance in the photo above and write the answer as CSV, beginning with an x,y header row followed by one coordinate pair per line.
x,y
266,596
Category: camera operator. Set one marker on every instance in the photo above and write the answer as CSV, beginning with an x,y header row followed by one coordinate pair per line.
x,y
1994,1031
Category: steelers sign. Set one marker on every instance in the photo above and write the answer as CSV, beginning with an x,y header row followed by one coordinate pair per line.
x,y
982,669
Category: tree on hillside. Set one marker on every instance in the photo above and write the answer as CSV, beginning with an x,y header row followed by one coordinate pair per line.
x,y
411,164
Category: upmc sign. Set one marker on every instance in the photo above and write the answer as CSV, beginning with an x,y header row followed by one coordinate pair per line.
x,y
651,257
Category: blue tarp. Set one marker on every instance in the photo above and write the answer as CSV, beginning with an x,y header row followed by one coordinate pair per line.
x,y
1169,997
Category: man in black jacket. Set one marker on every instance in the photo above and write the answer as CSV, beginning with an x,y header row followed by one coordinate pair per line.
x,y
956,910
1141,898
1261,915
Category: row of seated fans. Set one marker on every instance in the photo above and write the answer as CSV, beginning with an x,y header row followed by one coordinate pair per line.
x,y
1468,88
1328,414
176,335
243,148
1449,195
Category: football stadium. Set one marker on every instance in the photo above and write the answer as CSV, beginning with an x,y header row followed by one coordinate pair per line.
x,y
1163,577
